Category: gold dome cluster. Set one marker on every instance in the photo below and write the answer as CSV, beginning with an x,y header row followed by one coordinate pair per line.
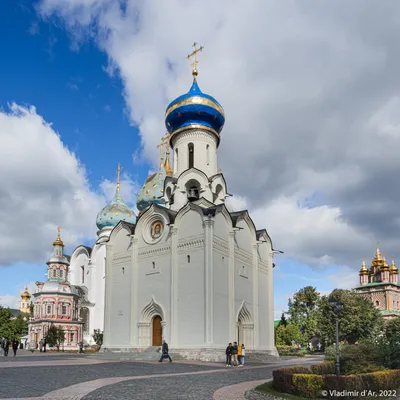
x,y
378,263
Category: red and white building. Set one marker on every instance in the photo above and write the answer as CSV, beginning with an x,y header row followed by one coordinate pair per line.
x,y
57,302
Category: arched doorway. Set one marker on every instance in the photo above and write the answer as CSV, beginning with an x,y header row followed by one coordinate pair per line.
x,y
157,331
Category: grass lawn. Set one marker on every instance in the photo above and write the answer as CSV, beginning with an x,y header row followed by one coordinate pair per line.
x,y
268,389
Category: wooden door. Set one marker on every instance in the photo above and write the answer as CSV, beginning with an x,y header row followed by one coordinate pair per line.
x,y
157,331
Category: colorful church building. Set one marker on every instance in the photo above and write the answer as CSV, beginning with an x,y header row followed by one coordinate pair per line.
x,y
57,303
380,284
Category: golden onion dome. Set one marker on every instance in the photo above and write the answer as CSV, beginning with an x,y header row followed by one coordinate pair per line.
x,y
58,241
25,295
363,269
385,266
393,268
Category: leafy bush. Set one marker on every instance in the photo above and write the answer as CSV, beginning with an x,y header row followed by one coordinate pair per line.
x,y
358,358
374,381
290,351
307,385
283,378
326,368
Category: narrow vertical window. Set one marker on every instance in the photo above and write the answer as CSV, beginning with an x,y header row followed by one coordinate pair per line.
x,y
176,160
188,259
83,274
154,265
191,155
208,154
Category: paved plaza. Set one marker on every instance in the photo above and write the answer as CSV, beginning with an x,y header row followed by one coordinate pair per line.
x,y
76,376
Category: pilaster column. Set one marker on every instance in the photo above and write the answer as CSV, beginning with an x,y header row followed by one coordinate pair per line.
x,y
172,338
255,296
270,316
208,225
231,287
107,302
134,292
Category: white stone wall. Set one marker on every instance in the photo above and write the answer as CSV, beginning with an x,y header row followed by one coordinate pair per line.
x,y
193,278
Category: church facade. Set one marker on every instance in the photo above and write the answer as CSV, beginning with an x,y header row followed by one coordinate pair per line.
x,y
379,283
188,270
57,303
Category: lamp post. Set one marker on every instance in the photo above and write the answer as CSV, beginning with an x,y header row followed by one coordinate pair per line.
x,y
337,307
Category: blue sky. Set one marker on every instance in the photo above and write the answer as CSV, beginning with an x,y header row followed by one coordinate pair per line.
x,y
71,88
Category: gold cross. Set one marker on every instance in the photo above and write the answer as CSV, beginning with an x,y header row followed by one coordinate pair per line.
x,y
195,62
161,146
58,229
118,176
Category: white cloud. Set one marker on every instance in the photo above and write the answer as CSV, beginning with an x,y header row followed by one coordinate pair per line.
x,y
310,93
40,180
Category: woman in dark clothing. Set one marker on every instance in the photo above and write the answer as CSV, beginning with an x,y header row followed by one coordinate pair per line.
x,y
228,353
15,345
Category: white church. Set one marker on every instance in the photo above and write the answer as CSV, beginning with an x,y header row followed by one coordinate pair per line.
x,y
186,269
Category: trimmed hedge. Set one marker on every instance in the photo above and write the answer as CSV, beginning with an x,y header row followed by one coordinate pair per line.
x,y
283,378
374,381
308,385
302,382
290,351
326,368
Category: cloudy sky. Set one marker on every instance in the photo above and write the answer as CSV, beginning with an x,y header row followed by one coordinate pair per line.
x,y
311,144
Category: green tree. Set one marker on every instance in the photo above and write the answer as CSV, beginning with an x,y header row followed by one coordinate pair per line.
x,y
6,328
55,336
359,319
98,337
283,320
19,326
389,343
303,311
288,335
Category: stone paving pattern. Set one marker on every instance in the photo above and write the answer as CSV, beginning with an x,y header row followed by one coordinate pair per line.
x,y
79,377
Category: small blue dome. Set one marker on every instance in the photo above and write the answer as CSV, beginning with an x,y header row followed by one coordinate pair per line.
x,y
152,190
116,211
196,109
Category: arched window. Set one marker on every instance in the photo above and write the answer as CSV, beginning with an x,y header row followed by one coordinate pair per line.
x,y
61,273
84,314
191,155
83,274
54,273
176,160
208,154
188,259
377,303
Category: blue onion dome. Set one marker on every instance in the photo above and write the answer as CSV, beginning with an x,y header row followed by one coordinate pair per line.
x,y
195,109
152,191
115,212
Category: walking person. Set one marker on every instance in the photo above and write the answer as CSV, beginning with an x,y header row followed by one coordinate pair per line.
x,y
41,345
6,346
235,354
44,345
239,355
81,347
243,354
228,353
164,352
15,345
